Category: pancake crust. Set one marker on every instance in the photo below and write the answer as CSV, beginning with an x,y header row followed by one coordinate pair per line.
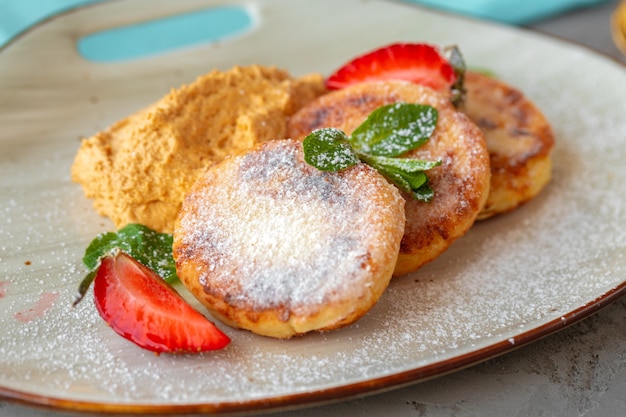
x,y
461,183
519,140
270,244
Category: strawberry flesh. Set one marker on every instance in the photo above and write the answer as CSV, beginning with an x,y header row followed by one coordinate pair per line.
x,y
146,310
416,63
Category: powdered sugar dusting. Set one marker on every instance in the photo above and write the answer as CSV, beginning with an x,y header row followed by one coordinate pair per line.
x,y
509,275
272,230
402,138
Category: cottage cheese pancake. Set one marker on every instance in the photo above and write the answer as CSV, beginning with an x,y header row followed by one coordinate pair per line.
x,y
461,183
271,244
519,140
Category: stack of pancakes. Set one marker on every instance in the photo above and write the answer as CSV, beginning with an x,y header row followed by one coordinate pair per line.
x,y
272,245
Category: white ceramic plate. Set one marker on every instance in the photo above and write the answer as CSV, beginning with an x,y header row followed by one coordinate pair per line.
x,y
508,282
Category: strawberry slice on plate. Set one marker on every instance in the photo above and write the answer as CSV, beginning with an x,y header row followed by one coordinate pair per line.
x,y
146,310
414,62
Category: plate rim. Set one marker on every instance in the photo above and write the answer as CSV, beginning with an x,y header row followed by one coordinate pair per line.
x,y
337,393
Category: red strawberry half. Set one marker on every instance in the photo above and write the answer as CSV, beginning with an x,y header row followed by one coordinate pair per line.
x,y
417,63
146,310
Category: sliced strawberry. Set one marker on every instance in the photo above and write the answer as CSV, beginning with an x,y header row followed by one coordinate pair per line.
x,y
146,310
417,63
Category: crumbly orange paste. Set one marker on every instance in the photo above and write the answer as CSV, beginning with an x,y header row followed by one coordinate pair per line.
x,y
139,169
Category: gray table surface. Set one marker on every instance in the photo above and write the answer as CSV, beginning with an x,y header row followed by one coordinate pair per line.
x,y
580,371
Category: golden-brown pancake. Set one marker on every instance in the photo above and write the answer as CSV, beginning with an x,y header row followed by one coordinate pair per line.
x,y
461,183
271,244
519,140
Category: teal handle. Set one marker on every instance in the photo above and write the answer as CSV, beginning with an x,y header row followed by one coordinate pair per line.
x,y
516,12
154,37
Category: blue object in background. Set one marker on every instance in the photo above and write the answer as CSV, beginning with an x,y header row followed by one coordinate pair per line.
x,y
515,12
160,35
132,41
18,15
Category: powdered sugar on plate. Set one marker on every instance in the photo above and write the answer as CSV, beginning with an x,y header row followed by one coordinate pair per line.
x,y
509,275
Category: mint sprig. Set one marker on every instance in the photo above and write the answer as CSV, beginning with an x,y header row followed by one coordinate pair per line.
x,y
329,151
150,248
407,174
395,129
388,132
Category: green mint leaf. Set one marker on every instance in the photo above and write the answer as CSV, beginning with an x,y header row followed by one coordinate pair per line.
x,y
389,131
148,247
424,194
329,150
407,174
404,164
394,129
406,182
98,248
415,184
